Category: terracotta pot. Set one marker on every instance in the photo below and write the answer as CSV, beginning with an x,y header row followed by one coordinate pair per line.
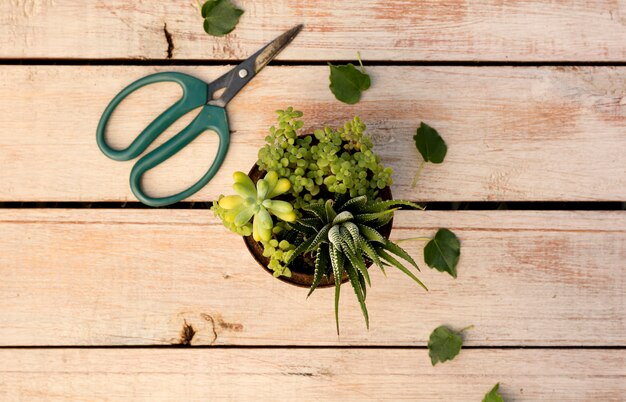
x,y
302,268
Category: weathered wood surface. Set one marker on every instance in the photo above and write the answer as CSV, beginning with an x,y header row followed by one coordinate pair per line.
x,y
541,30
135,277
127,277
513,133
309,374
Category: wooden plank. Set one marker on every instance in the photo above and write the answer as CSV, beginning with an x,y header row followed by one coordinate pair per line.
x,y
383,30
137,277
514,134
309,374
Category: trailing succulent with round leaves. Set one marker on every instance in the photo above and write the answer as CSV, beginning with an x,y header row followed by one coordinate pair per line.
x,y
255,203
343,237
331,161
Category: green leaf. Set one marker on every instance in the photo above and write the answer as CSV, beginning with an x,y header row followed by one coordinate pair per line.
x,y
244,216
390,259
443,345
356,285
371,254
220,17
342,217
385,205
330,212
354,204
363,286
300,249
347,82
334,236
346,240
363,218
340,199
305,229
318,210
336,259
493,395
443,251
430,144
370,234
321,236
356,259
264,223
400,252
321,265
353,230
309,222
380,222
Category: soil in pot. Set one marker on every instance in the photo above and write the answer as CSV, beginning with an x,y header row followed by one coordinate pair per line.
x,y
303,267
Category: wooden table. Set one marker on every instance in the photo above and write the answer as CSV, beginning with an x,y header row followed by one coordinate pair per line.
x,y
96,295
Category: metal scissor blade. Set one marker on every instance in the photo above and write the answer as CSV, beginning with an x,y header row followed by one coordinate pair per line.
x,y
265,55
234,80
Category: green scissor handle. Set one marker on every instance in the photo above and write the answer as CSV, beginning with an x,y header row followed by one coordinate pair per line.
x,y
195,94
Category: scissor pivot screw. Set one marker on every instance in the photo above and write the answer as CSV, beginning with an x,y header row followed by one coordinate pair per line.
x,y
243,73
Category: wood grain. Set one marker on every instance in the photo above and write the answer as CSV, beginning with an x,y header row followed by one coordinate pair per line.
x,y
309,374
539,30
138,277
514,134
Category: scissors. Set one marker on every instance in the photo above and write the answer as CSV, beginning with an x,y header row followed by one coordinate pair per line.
x,y
212,116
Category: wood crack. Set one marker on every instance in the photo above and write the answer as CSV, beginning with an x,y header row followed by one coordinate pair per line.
x,y
169,40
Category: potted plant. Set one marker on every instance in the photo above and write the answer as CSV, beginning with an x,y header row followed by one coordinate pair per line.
x,y
316,210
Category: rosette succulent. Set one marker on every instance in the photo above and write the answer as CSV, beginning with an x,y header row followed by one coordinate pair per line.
x,y
343,237
256,204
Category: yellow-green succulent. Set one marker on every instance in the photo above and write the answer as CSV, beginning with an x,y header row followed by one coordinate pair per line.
x,y
256,203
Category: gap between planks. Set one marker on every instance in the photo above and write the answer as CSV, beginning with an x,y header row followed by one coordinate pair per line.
x,y
302,63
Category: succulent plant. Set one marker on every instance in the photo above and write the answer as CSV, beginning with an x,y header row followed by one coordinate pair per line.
x,y
332,160
256,203
343,237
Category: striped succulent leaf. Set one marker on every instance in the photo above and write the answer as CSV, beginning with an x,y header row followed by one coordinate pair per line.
x,y
380,222
389,258
357,261
371,254
334,236
330,212
363,286
303,228
370,234
358,290
346,240
353,230
322,263
342,217
372,216
385,205
302,247
336,259
356,204
399,251
318,210
322,236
